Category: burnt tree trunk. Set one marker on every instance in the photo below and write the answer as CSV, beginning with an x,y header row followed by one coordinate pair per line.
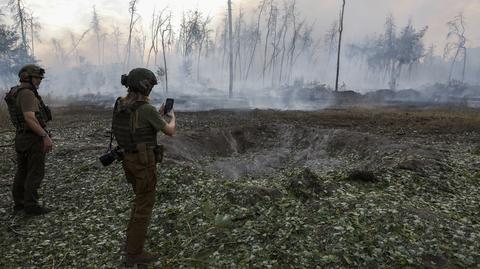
x,y
129,42
257,37
464,63
165,60
230,39
340,31
21,16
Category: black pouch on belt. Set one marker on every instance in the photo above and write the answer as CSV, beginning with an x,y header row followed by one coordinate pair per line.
x,y
158,151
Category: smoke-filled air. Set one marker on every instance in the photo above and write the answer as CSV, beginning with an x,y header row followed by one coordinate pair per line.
x,y
276,48
240,134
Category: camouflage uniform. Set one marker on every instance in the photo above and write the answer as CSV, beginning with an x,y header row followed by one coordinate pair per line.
x,y
135,127
28,145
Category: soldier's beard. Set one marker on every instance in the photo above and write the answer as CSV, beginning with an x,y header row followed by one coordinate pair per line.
x,y
35,85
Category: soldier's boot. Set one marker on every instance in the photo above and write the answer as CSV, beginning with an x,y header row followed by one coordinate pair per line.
x,y
36,210
143,258
17,208
136,236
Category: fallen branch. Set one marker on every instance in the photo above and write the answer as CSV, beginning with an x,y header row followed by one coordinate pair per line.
x,y
60,263
16,232
189,229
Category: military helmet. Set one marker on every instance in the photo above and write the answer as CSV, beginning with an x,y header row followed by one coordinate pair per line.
x,y
30,70
140,80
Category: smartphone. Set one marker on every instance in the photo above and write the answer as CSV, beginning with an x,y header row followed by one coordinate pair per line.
x,y
168,105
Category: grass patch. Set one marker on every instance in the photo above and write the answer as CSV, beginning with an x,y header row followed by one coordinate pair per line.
x,y
4,116
292,218
476,150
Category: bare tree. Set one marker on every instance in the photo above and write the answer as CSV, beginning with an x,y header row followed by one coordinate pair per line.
x,y
190,32
286,21
275,43
59,51
230,38
238,42
167,30
158,22
21,18
331,39
429,55
116,41
224,40
190,37
297,27
35,27
72,39
340,31
456,42
132,10
267,36
103,41
257,37
306,41
75,44
95,26
201,40
140,44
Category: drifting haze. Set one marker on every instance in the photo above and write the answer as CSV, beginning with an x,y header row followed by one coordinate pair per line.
x,y
95,69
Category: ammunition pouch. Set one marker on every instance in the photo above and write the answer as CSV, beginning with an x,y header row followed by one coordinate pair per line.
x,y
158,152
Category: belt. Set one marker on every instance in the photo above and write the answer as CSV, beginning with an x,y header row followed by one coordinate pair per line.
x,y
24,131
135,150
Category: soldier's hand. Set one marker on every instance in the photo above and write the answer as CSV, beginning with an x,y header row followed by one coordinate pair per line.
x,y
162,109
171,114
47,144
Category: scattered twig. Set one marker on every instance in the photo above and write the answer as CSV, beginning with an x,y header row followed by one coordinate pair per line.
x,y
61,261
191,240
198,235
16,232
189,229
7,146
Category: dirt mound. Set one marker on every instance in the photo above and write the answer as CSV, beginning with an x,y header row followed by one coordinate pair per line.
x,y
307,185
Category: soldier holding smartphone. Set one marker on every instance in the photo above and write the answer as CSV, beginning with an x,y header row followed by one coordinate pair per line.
x,y
135,125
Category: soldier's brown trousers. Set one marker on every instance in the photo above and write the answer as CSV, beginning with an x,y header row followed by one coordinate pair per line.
x,y
30,169
140,171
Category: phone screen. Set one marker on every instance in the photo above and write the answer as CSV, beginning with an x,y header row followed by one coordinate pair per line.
x,y
168,105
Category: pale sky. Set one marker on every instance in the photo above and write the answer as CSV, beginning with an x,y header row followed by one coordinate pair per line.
x,y
362,17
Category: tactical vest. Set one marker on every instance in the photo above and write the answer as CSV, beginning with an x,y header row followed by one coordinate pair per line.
x,y
43,116
127,136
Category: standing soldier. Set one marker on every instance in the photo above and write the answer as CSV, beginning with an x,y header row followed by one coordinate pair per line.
x,y
29,115
135,126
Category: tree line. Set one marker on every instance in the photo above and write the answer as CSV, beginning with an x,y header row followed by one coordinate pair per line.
x,y
266,45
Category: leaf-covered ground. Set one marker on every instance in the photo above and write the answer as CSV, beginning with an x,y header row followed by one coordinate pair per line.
x,y
354,188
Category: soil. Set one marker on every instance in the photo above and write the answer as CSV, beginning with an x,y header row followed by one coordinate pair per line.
x,y
341,187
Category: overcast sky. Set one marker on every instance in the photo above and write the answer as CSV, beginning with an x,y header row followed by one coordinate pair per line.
x,y
362,16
